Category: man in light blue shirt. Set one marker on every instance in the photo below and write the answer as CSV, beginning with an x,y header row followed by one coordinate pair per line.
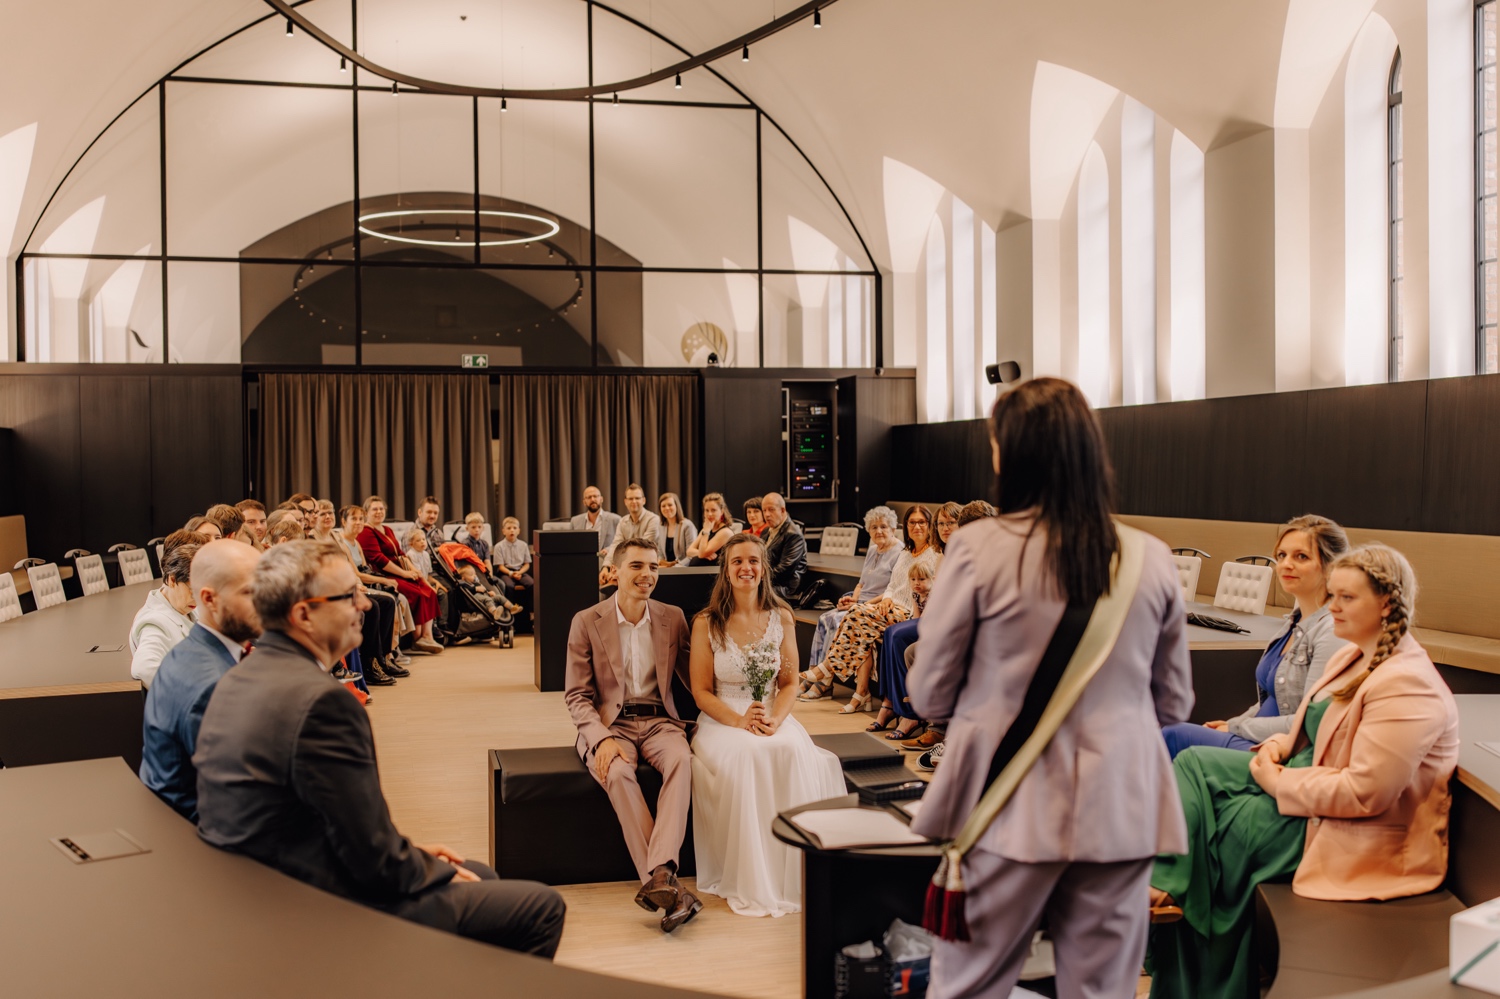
x,y
220,574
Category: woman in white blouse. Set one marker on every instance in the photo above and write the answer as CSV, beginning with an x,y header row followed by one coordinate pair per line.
x,y
167,616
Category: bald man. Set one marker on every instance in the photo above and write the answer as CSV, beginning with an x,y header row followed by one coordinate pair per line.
x,y
220,577
786,550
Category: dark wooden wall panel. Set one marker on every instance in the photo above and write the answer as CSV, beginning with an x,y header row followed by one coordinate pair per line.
x,y
43,412
10,475
937,462
197,447
1461,473
742,454
115,460
873,406
1364,455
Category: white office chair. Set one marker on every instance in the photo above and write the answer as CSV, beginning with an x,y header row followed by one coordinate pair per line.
x,y
400,528
46,585
135,566
91,576
161,554
839,541
450,531
10,600
557,525
1244,587
1189,568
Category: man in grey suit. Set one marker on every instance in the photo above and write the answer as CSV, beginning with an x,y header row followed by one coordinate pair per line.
x,y
595,517
287,771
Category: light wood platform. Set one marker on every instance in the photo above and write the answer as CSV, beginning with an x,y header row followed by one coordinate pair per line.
x,y
432,733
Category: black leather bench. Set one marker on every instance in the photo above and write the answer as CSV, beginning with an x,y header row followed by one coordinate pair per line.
x,y
550,821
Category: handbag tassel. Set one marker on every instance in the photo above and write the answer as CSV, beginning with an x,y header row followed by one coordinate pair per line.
x,y
943,913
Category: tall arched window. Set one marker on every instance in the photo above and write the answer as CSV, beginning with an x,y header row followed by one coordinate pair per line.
x,y
1398,211
1094,360
1486,281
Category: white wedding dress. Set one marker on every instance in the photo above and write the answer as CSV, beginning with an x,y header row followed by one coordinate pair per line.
x,y
740,782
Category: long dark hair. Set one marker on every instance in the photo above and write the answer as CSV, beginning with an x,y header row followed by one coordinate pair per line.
x,y
911,512
1052,457
721,601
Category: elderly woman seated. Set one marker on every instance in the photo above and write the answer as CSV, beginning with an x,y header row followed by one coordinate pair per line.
x,y
874,577
167,616
1368,759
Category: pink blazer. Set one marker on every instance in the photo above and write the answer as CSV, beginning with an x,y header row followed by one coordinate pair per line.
x,y
595,673
1376,796
1103,790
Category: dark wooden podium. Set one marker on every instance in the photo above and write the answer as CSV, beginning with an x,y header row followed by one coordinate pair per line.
x,y
566,570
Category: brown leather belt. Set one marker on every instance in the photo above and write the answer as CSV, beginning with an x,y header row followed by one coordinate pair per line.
x,y
643,711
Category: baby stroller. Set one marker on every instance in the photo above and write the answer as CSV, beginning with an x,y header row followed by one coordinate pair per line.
x,y
469,620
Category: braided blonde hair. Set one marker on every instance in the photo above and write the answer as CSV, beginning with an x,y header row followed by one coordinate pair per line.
x,y
1390,575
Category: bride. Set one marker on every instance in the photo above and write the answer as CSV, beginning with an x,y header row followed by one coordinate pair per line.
x,y
751,759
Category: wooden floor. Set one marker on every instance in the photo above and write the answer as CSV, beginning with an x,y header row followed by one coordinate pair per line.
x,y
433,732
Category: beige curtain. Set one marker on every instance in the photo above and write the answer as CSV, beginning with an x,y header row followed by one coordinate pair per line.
x,y
561,433
343,437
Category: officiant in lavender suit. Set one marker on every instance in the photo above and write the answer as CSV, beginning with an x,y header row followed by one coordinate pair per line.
x,y
622,655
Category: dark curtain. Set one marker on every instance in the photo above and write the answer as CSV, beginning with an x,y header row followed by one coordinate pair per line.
x,y
403,437
561,433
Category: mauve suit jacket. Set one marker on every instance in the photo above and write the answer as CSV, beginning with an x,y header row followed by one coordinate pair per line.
x,y
596,667
1376,795
1103,790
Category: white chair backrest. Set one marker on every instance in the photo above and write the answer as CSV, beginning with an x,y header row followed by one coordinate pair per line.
x,y
450,531
135,566
839,541
557,525
161,554
91,575
1189,568
10,600
400,528
46,585
1243,587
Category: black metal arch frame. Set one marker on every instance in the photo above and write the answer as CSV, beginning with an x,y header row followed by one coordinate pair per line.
x,y
1395,135
591,95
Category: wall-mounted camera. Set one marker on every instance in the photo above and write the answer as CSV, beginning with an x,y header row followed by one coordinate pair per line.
x,y
1004,373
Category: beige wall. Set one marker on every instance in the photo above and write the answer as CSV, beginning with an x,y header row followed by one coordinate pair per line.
x,y
1240,209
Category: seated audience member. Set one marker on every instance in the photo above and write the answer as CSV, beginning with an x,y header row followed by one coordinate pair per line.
x,y
429,521
287,771
286,529
851,653
677,531
383,553
205,527
1297,656
894,667
638,523
975,510
253,512
946,524
609,581
417,551
755,520
1368,758
472,535
226,518
718,528
179,694
377,652
307,507
325,519
512,558
167,615
468,578
786,550
874,577
596,518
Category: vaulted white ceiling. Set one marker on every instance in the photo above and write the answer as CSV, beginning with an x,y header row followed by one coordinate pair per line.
x,y
942,85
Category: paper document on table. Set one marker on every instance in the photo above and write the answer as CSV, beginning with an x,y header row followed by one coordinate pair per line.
x,y
1489,747
911,807
849,828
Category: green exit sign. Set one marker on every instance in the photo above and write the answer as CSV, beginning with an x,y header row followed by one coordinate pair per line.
x,y
475,361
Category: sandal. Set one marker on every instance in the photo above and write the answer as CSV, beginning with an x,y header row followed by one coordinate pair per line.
x,y
911,733
816,692
857,703
881,724
819,674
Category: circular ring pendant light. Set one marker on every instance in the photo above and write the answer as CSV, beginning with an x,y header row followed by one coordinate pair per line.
x,y
549,225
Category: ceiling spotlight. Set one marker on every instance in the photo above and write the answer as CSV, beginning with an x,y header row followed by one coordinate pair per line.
x,y
343,65
679,81
289,27
503,106
817,18
745,54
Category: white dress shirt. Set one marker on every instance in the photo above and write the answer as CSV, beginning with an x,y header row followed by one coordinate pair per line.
x,y
639,653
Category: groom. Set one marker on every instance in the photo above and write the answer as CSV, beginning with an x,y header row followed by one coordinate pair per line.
x,y
622,654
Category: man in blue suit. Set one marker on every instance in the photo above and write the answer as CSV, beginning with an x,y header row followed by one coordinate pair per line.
x,y
220,577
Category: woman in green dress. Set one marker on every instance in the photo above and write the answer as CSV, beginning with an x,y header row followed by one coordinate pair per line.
x,y
1367,746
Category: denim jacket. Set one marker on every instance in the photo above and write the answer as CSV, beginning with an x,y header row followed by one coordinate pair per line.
x,y
1306,654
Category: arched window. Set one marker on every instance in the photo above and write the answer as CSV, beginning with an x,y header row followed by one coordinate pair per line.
x,y
1094,360
1486,283
1398,211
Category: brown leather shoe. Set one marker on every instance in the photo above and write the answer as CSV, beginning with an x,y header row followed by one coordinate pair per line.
x,y
686,908
925,741
661,892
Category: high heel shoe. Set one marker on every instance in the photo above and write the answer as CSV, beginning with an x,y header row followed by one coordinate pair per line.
x,y
816,692
883,720
857,703
911,733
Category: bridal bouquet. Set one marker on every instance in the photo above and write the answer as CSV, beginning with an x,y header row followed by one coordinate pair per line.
x,y
762,665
